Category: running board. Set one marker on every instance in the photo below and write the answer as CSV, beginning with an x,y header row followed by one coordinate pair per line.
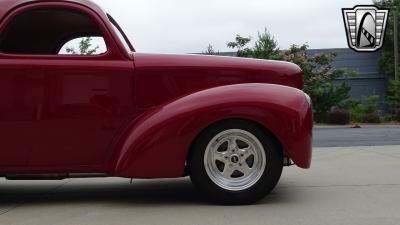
x,y
55,176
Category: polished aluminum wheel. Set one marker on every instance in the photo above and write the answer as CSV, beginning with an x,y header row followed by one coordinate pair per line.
x,y
235,159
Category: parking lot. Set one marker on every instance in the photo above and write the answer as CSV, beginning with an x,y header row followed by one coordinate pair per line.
x,y
346,185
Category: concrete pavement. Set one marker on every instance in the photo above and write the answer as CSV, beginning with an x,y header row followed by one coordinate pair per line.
x,y
350,185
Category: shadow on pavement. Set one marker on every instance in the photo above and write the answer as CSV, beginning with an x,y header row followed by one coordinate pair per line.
x,y
140,192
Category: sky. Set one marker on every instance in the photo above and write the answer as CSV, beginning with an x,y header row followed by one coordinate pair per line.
x,y
189,26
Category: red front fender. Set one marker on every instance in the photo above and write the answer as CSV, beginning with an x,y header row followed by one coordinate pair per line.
x,y
157,143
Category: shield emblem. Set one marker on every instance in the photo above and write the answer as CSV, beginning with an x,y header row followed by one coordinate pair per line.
x,y
365,27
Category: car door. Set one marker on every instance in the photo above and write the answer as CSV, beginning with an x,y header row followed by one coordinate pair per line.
x,y
83,107
17,110
73,97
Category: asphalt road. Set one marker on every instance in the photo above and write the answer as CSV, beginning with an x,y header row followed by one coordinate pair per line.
x,y
343,137
350,185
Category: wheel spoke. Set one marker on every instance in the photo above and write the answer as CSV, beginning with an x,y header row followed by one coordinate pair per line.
x,y
227,173
232,145
245,169
246,152
220,156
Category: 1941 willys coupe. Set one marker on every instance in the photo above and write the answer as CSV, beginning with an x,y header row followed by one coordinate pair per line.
x,y
230,124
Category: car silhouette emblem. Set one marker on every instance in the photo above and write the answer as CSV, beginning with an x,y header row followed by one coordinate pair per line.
x,y
365,27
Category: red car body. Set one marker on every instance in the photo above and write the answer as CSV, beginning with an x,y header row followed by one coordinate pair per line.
x,y
133,114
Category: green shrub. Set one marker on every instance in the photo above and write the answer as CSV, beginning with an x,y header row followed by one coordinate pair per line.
x,y
371,103
327,96
356,110
366,110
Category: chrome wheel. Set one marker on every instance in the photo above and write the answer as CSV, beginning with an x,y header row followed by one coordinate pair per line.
x,y
234,160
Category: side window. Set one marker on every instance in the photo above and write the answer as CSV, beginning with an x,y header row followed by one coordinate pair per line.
x,y
84,46
52,31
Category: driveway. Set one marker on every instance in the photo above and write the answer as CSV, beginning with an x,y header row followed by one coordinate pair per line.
x,y
350,185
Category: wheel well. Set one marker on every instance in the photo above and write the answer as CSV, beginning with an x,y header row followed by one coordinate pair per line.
x,y
263,128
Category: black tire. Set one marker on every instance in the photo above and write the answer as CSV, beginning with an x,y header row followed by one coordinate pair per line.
x,y
269,178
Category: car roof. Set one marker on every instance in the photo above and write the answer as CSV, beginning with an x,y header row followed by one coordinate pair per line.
x,y
8,5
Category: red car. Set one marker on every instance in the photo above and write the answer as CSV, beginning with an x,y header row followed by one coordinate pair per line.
x,y
230,124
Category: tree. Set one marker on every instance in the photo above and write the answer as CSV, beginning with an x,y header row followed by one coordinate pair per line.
x,y
210,51
386,62
265,47
240,44
84,47
319,75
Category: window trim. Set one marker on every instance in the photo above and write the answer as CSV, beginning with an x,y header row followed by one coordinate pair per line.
x,y
121,31
107,36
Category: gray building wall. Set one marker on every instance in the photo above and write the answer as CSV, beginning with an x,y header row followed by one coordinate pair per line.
x,y
370,81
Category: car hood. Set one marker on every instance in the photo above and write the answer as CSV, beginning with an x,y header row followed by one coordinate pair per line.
x,y
174,74
222,65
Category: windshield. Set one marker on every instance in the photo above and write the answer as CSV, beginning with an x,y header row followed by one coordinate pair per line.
x,y
121,35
